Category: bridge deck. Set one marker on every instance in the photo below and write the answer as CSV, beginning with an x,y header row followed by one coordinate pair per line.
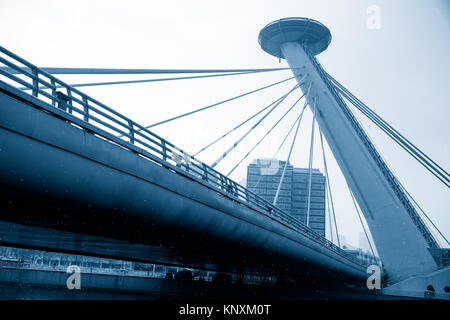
x,y
96,165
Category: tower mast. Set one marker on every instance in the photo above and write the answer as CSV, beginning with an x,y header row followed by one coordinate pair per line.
x,y
401,237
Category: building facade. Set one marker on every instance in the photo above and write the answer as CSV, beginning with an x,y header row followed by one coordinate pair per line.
x,y
263,178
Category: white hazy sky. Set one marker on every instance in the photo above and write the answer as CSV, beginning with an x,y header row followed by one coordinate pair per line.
x,y
402,71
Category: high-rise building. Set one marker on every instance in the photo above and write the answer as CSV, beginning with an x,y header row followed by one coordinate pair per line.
x,y
263,178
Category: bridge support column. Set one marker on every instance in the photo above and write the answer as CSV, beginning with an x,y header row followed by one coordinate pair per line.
x,y
401,238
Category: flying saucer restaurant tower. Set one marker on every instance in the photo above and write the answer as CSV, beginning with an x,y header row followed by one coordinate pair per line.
x,y
400,236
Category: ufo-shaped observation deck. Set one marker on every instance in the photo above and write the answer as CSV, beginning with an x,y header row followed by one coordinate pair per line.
x,y
313,35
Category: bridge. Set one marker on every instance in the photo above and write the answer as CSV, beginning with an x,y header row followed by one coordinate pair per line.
x,y
78,176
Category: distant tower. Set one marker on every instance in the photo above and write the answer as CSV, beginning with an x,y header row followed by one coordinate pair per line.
x,y
300,178
401,237
265,182
293,192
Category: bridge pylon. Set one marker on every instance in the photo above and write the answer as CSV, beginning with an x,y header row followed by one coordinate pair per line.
x,y
401,237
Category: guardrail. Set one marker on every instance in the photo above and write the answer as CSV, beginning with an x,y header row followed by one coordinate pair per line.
x,y
377,157
94,116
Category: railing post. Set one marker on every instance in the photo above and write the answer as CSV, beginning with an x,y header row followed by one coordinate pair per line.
x,y
205,172
223,182
69,94
187,161
35,92
131,128
164,149
53,91
229,185
234,188
86,108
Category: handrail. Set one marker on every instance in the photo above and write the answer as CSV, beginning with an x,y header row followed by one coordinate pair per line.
x,y
391,178
136,137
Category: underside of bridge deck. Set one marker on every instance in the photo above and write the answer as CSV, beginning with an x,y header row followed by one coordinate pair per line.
x,y
58,176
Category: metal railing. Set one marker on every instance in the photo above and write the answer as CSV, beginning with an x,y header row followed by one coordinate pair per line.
x,y
95,117
377,157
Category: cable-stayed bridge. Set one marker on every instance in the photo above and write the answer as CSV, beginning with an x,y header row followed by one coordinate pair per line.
x,y
77,176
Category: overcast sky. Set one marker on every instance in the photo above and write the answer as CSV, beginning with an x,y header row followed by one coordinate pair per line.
x,y
401,70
